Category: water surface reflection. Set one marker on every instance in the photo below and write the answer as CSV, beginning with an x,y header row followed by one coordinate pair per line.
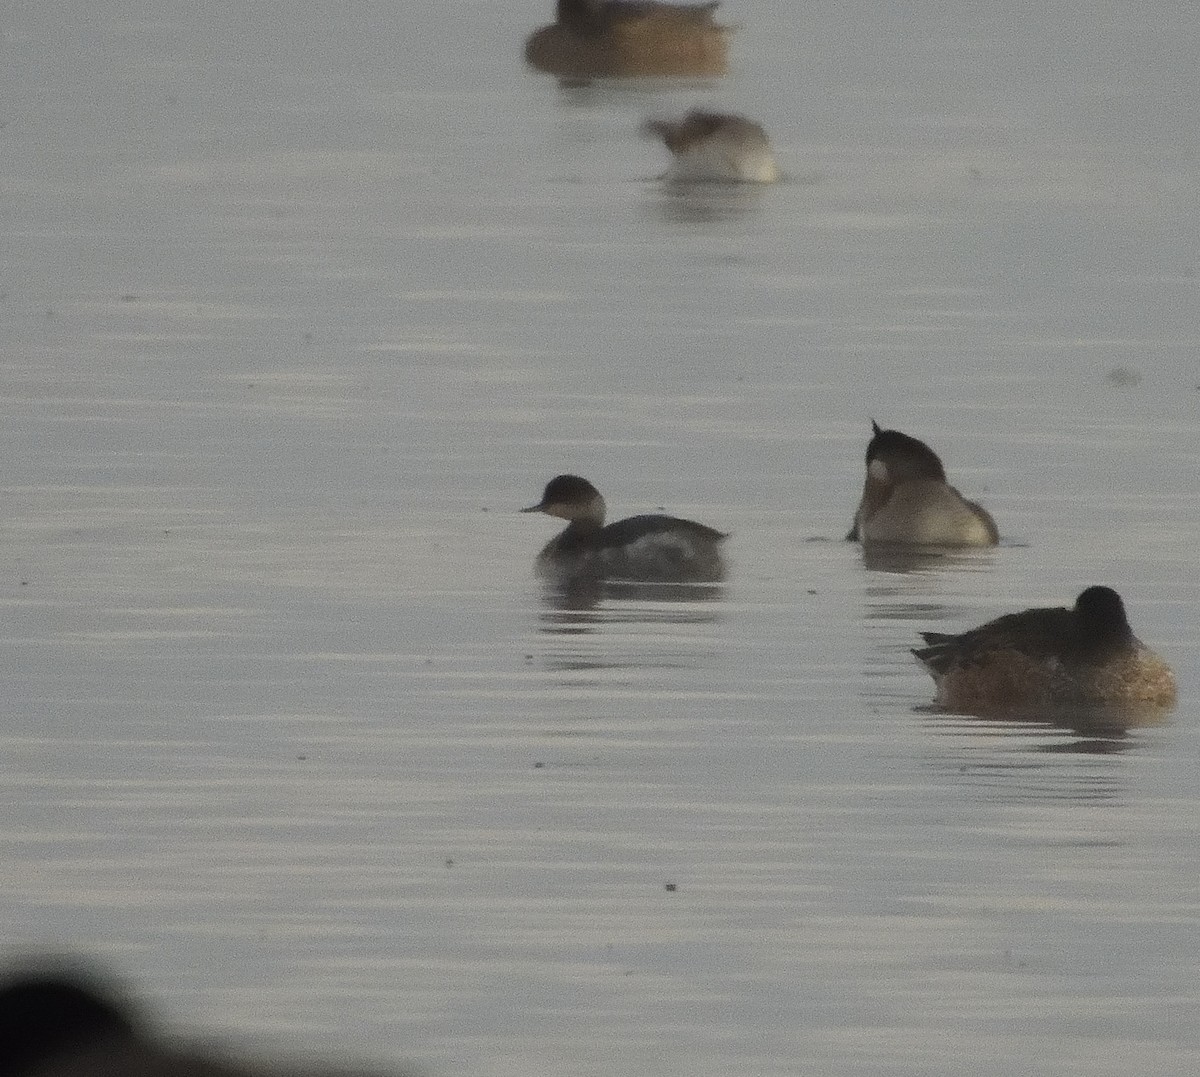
x,y
1051,757
583,594
1095,730
707,203
905,560
605,624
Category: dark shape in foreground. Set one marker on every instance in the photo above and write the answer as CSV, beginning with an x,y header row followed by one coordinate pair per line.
x,y
644,549
63,1024
907,500
715,147
1079,657
630,39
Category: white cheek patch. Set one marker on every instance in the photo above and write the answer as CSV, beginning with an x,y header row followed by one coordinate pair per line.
x,y
877,470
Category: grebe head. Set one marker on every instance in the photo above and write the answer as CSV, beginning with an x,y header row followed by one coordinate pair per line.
x,y
893,457
1100,614
573,499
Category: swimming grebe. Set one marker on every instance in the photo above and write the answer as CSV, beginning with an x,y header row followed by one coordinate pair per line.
x,y
648,549
708,147
630,38
906,498
1083,655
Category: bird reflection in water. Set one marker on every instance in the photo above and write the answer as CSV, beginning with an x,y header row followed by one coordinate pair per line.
x,y
707,204
1075,730
610,624
904,560
581,594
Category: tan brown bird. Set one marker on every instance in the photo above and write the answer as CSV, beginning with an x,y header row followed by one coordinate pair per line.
x,y
1084,655
630,39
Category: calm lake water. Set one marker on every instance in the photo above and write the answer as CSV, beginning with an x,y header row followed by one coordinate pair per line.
x,y
300,304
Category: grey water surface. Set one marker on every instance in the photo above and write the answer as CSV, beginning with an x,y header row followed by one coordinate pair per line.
x,y
300,303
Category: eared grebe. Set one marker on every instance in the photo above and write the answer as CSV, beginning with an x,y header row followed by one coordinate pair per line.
x,y
630,38
715,147
1084,655
906,498
648,549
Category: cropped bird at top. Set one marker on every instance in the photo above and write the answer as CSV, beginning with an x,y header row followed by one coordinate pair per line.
x,y
647,549
630,39
907,500
715,147
1085,655
599,16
